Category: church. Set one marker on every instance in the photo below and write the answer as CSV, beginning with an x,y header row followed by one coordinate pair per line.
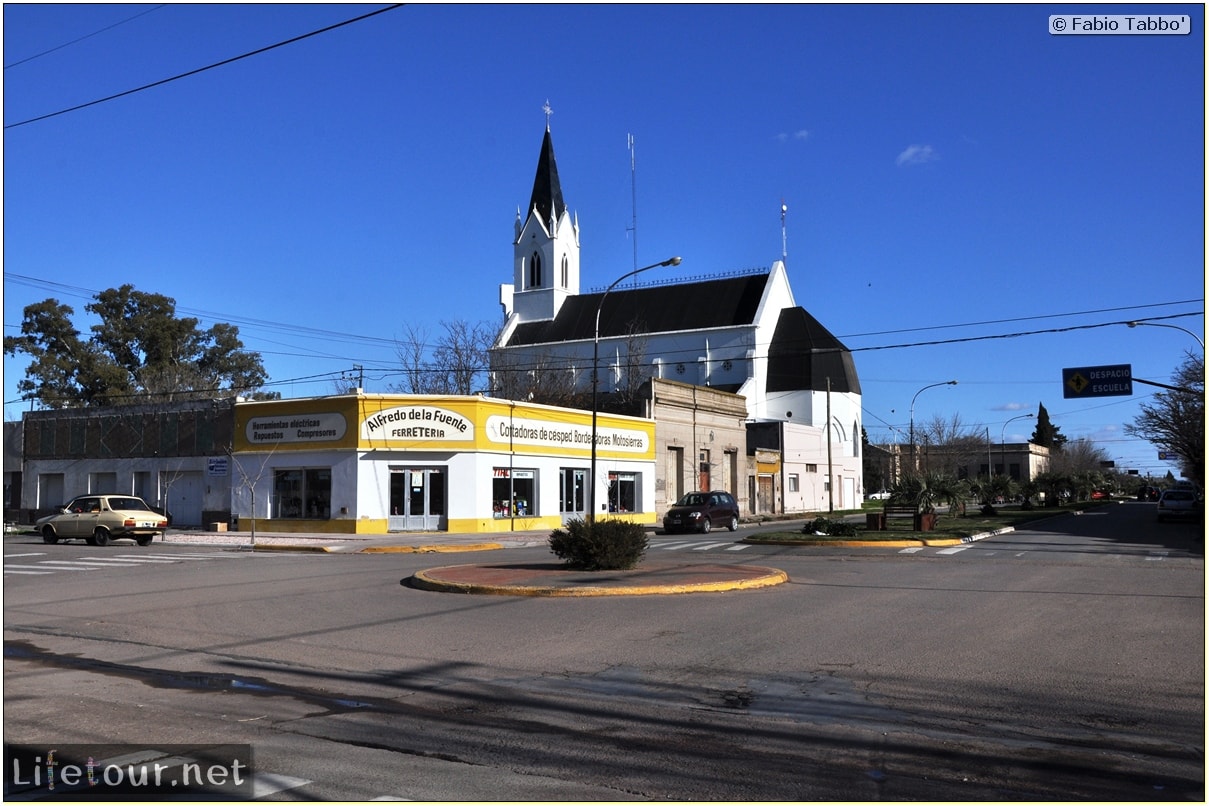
x,y
798,441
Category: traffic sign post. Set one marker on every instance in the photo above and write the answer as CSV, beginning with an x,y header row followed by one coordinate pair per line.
x,y
1104,381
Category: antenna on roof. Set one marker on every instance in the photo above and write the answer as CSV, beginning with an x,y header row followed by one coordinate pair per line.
x,y
784,251
633,197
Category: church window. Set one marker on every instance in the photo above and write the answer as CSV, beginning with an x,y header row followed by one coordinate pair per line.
x,y
566,271
535,271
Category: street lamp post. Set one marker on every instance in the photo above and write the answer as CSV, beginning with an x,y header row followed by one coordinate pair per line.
x,y
673,261
1003,432
1199,340
914,467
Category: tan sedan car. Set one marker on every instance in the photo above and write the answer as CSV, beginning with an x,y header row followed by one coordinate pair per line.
x,y
98,519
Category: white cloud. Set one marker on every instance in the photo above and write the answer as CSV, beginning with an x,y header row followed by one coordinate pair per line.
x,y
917,155
800,134
1008,407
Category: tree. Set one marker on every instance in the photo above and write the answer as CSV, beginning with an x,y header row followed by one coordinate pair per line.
x,y
1046,434
458,362
1078,456
541,377
1174,420
951,445
139,352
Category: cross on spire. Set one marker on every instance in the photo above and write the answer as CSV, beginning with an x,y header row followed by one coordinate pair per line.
x,y
546,108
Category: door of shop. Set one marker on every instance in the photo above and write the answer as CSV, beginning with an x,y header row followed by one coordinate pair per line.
x,y
573,483
417,500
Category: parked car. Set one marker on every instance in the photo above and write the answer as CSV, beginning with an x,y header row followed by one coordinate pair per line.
x,y
1181,503
98,519
1100,495
702,511
880,495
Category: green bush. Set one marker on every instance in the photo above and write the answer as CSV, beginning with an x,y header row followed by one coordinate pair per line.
x,y
605,546
821,525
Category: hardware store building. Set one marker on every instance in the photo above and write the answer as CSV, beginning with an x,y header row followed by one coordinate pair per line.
x,y
367,464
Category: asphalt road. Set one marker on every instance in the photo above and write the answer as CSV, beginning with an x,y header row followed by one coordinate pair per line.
x,y
1061,663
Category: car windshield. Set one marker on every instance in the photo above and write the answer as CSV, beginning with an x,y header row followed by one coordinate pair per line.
x,y
1178,495
128,503
691,500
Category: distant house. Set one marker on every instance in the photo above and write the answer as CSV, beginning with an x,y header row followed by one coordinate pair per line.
x,y
742,334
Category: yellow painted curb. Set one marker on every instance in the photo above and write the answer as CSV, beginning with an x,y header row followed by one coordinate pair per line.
x,y
422,581
441,549
280,547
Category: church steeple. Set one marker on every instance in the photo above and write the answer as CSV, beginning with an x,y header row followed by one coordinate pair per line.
x,y
546,249
547,196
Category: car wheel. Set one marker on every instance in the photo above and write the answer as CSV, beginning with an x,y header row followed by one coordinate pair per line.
x,y
144,540
734,523
706,526
100,537
48,535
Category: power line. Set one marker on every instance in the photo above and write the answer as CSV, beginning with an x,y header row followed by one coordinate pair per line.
x,y
1019,319
82,38
163,81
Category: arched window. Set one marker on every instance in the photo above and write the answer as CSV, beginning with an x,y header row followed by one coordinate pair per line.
x,y
566,271
535,271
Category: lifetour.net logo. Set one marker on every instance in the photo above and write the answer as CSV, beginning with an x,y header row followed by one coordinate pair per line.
x,y
222,772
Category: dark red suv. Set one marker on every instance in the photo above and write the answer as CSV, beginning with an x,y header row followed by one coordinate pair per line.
x,y
702,511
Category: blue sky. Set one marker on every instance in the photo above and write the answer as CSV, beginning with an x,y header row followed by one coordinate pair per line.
x,y
951,173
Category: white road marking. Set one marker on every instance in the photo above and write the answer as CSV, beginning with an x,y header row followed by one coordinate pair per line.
x,y
268,783
90,563
953,550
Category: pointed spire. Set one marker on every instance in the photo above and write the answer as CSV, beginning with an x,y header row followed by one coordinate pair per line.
x,y
547,196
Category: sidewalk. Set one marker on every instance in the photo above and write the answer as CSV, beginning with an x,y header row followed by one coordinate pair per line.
x,y
413,542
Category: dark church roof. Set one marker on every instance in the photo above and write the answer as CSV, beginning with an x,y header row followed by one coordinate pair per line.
x,y
547,192
804,354
726,302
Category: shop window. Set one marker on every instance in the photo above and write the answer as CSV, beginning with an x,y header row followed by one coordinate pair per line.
x,y
302,493
623,492
513,492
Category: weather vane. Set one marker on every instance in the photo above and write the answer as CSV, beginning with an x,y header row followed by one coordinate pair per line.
x,y
546,108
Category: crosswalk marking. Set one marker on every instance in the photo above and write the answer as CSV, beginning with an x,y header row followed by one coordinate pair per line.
x,y
953,550
96,562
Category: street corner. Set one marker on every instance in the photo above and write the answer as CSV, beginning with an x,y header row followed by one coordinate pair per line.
x,y
438,548
558,580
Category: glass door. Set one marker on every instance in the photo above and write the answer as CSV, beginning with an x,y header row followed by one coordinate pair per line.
x,y
417,500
